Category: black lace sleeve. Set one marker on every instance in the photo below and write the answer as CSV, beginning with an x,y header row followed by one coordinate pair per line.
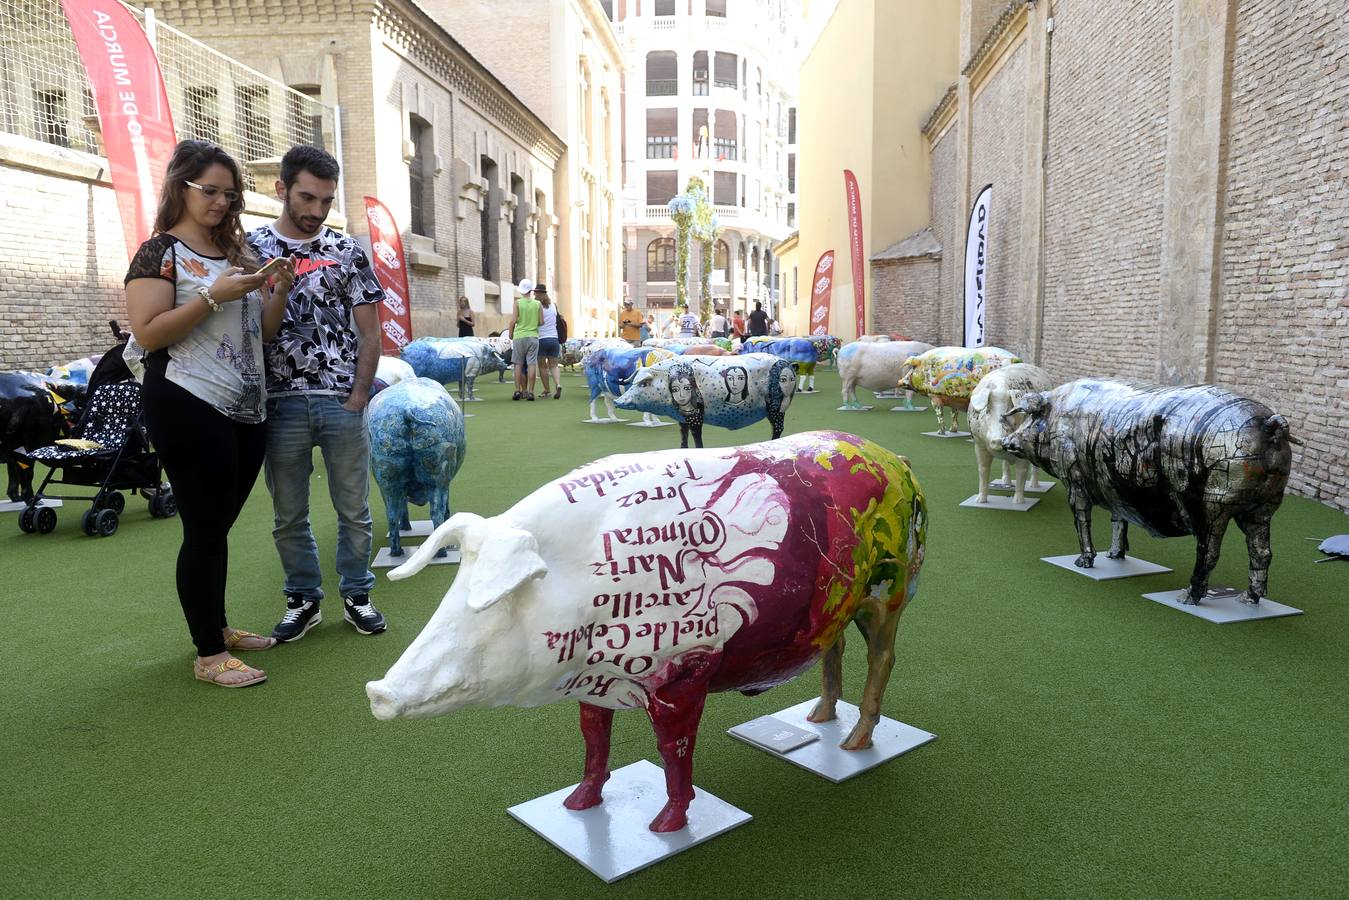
x,y
154,259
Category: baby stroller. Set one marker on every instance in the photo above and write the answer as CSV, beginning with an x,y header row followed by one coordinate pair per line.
x,y
111,451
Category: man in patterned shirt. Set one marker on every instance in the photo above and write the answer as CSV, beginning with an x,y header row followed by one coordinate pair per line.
x,y
319,370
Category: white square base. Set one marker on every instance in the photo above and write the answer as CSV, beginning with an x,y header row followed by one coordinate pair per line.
x,y
908,409
888,395
946,434
420,528
855,408
601,421
826,759
612,839
1107,569
17,505
998,501
644,424
1042,488
811,391
1221,606
384,561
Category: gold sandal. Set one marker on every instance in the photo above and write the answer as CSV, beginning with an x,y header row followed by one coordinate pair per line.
x,y
212,673
233,641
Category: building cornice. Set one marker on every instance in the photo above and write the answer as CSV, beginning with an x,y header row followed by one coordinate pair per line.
x,y
407,25
603,30
941,115
996,44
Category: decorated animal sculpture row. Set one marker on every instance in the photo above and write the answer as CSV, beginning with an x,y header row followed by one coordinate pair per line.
x,y
875,366
949,375
648,581
453,361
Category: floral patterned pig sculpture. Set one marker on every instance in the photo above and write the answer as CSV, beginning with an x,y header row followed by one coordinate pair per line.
x,y
875,366
417,445
1175,461
609,371
949,375
728,391
991,420
648,581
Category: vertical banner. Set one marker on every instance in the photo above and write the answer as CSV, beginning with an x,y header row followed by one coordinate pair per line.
x,y
859,270
822,288
386,255
133,108
976,269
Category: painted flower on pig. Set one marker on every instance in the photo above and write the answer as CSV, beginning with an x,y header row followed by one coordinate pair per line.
x,y
650,580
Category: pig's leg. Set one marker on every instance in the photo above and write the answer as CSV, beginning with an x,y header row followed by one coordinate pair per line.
x,y
1119,538
1257,547
440,511
1006,478
1082,519
697,429
1021,469
596,725
1034,476
941,418
1208,544
832,688
955,419
675,711
471,382
683,435
609,405
880,660
984,459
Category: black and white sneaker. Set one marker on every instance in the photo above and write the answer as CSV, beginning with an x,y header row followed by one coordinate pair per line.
x,y
360,612
301,615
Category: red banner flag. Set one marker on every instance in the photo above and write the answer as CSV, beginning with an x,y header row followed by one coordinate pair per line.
x,y
859,275
822,288
386,255
133,109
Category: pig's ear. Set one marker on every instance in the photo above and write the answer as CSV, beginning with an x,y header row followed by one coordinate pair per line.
x,y
508,558
979,399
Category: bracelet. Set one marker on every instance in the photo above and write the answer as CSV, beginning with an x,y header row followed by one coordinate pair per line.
x,y
205,294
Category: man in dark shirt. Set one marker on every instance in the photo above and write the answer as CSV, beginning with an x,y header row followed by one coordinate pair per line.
x,y
758,321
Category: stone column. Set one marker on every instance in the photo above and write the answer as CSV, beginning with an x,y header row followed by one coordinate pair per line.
x,y
1202,38
1029,329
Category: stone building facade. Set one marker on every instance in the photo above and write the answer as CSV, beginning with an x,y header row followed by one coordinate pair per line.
x,y
1169,201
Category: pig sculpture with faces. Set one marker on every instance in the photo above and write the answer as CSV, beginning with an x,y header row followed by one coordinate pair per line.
x,y
949,375
991,419
726,391
647,581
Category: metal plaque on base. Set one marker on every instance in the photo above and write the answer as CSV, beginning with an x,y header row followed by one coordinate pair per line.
x,y
1221,606
998,501
18,505
946,434
774,735
612,839
1107,569
384,561
1041,488
825,757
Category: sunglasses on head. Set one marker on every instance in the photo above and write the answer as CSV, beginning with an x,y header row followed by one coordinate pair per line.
x,y
211,192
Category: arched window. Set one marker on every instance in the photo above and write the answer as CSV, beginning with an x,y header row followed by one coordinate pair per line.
x,y
660,260
721,260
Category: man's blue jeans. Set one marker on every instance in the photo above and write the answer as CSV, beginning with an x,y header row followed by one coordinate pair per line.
x,y
296,424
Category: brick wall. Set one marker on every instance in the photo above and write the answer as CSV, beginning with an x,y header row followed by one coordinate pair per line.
x,y
1103,194
946,227
996,158
1283,316
903,298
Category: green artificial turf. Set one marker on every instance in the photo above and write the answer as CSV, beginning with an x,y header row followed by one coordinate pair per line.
x,y
1090,742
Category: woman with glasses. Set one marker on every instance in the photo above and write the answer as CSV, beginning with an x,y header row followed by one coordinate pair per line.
x,y
199,312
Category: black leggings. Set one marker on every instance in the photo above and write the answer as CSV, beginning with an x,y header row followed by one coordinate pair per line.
x,y
212,462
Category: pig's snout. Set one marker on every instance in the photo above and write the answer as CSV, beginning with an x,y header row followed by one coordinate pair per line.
x,y
383,704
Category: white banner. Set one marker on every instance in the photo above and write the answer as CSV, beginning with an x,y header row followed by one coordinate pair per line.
x,y
976,269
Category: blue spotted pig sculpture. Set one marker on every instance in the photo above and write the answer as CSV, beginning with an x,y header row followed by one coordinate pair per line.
x,y
800,352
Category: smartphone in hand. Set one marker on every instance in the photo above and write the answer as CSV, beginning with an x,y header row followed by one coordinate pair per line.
x,y
271,267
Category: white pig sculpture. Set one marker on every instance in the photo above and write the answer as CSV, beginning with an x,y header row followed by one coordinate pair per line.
x,y
991,420
646,581
875,366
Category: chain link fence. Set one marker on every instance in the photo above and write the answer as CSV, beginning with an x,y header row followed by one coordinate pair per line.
x,y
44,93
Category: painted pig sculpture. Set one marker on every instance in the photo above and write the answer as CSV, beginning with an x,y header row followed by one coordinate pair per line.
x,y
35,410
1173,460
726,391
648,581
949,375
451,360
609,371
875,366
389,371
417,445
800,352
991,419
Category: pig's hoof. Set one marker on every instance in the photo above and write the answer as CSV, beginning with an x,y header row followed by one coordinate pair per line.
x,y
672,818
440,554
984,499
1248,597
860,739
586,795
823,712
395,551
1116,554
1190,598
1085,561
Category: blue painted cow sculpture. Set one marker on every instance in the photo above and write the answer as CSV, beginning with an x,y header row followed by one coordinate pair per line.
x,y
802,353
417,444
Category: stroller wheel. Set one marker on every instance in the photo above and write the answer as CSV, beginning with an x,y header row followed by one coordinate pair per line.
x,y
89,522
27,523
46,520
168,504
106,522
114,501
